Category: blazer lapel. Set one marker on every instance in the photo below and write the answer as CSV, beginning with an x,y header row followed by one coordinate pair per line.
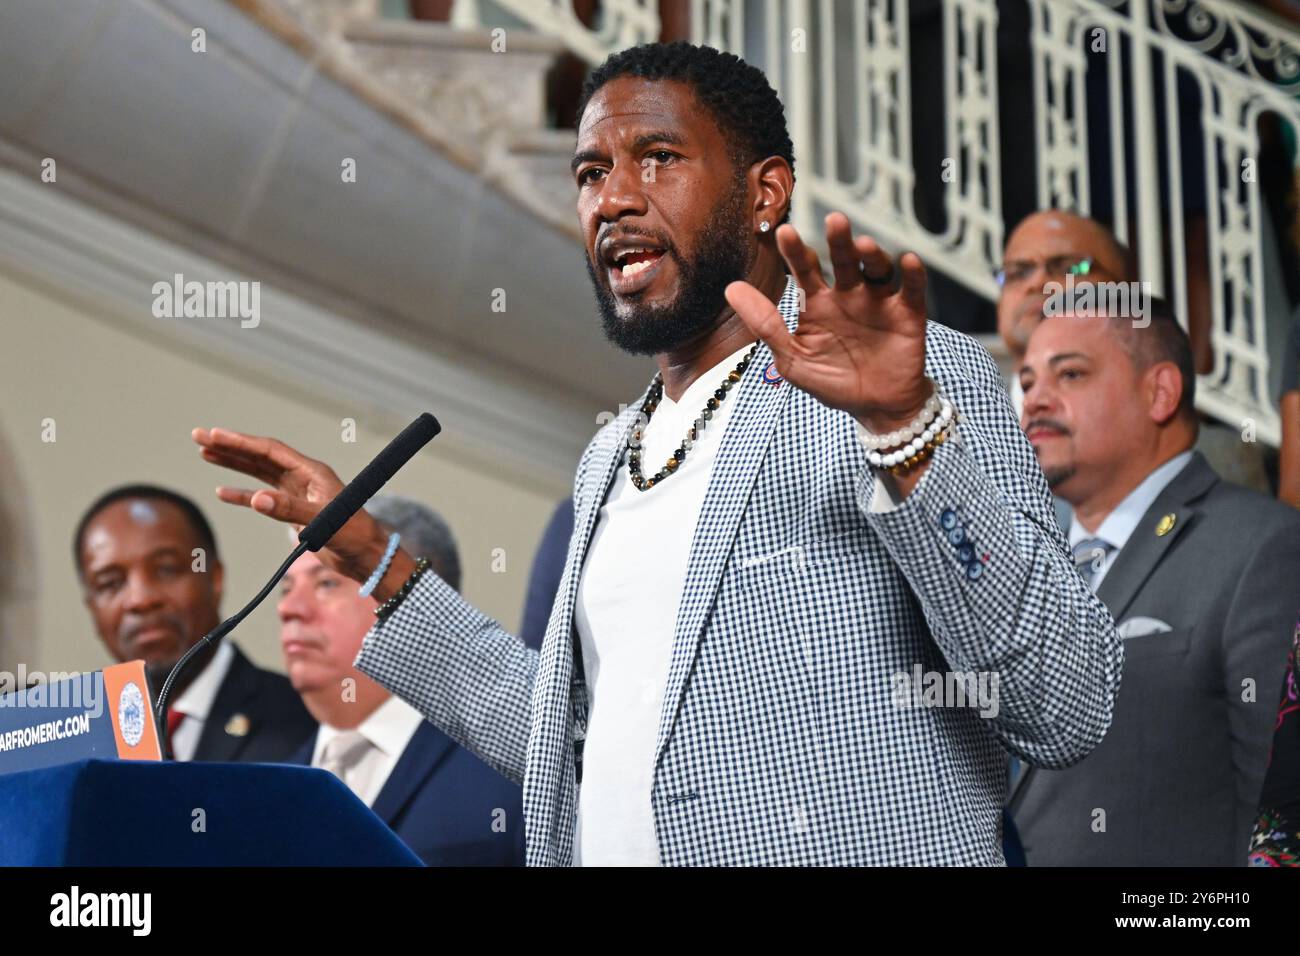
x,y
302,756
600,473
744,445
215,744
559,695
1145,547
425,751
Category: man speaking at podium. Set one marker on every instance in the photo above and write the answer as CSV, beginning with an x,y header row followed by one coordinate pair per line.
x,y
810,506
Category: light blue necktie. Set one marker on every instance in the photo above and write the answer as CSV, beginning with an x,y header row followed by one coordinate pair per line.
x,y
1090,557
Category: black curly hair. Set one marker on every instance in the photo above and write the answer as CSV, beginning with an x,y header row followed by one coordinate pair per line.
x,y
744,105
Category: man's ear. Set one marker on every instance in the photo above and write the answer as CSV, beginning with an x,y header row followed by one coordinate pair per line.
x,y
1164,391
774,182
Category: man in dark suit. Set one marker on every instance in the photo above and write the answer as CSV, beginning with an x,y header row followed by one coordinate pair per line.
x,y
152,581
1201,576
446,804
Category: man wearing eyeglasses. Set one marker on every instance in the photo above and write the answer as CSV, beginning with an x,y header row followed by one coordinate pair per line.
x,y
1055,245
1047,247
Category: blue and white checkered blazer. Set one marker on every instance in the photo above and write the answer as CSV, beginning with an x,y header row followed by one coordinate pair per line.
x,y
782,739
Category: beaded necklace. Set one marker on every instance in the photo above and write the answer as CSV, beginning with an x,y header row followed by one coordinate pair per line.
x,y
648,407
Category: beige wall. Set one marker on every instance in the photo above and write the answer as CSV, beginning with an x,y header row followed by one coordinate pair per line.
x,y
123,407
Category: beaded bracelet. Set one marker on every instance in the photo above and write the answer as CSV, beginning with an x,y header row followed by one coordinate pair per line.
x,y
933,406
941,424
389,606
372,582
927,450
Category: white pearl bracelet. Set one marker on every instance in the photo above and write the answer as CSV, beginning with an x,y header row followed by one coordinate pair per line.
x,y
933,407
938,426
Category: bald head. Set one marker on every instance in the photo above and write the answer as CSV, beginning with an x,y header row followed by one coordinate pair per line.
x,y
1040,250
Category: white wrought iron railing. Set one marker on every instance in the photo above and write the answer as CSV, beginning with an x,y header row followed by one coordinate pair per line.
x,y
843,69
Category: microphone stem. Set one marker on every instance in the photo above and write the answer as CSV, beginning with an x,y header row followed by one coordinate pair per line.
x,y
216,634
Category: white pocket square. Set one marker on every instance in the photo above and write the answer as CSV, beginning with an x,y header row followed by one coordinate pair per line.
x,y
1141,627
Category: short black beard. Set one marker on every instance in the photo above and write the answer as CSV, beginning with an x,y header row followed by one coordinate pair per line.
x,y
723,256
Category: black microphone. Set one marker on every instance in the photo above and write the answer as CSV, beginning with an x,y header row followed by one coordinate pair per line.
x,y
315,536
373,477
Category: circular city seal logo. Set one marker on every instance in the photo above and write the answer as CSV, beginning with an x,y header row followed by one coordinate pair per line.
x,y
130,714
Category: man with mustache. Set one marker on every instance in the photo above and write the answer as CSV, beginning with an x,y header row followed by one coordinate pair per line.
x,y
818,493
1200,574
1046,247
152,579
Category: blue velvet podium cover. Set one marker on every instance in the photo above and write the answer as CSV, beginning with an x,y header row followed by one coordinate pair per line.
x,y
133,813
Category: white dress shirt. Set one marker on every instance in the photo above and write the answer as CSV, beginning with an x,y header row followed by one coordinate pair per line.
x,y
387,732
1119,525
196,702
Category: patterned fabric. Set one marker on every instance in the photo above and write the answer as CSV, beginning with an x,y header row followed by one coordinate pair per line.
x,y
786,737
1276,840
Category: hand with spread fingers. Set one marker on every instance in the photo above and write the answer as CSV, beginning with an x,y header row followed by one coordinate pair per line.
x,y
860,344
300,488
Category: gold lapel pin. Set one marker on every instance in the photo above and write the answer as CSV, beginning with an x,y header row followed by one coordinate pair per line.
x,y
1165,525
238,726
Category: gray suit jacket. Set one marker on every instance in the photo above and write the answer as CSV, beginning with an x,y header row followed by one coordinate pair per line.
x,y
1179,775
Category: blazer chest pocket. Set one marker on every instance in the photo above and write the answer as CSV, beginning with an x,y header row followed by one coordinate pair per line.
x,y
1165,644
799,557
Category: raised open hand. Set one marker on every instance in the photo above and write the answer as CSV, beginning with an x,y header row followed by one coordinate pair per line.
x,y
300,488
860,344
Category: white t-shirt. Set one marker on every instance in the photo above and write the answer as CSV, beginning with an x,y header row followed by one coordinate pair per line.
x,y
626,615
